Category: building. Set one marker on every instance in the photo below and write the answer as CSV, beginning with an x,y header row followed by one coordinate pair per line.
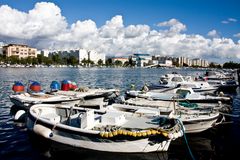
x,y
184,61
81,54
19,50
141,60
1,48
121,59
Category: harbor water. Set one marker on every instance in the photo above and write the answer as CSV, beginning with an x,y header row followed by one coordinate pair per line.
x,y
16,143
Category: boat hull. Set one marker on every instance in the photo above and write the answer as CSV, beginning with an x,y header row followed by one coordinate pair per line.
x,y
81,141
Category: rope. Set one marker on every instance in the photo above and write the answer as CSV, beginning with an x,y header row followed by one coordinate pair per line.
x,y
231,115
185,138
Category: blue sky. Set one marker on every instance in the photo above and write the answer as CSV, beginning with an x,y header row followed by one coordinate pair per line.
x,y
200,16
194,28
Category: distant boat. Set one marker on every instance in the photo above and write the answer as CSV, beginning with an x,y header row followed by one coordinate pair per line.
x,y
173,80
107,131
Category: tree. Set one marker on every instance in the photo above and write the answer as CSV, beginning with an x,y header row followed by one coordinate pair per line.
x,y
118,63
100,62
109,62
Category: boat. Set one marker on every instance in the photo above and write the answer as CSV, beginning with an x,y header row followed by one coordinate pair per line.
x,y
82,96
103,130
181,94
174,80
25,100
224,82
194,120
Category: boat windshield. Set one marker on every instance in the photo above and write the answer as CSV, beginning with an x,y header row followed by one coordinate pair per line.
x,y
182,93
176,79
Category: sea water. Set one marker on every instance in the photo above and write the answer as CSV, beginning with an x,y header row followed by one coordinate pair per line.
x,y
220,142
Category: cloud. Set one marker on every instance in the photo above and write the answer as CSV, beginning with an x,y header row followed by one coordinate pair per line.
x,y
229,20
232,20
237,35
45,27
174,24
213,33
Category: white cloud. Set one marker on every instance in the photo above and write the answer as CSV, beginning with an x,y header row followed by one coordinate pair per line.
x,y
45,28
174,24
213,33
232,19
237,35
229,20
225,22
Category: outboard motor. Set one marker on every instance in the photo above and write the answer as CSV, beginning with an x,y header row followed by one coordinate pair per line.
x,y
18,87
55,86
35,86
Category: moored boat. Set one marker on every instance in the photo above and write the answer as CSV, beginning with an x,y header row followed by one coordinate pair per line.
x,y
108,131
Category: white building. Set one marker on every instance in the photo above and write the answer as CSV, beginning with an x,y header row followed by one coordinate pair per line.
x,y
141,59
95,57
82,54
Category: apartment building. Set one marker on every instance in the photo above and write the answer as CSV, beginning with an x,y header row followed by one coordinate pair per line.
x,y
19,50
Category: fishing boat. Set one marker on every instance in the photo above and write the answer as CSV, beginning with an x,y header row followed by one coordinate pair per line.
x,y
82,95
103,130
181,94
25,100
194,120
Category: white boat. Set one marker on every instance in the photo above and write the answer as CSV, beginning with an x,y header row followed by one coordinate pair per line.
x,y
173,80
107,131
194,121
81,97
181,94
25,100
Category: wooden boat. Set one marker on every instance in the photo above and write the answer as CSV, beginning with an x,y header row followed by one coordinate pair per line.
x,y
103,130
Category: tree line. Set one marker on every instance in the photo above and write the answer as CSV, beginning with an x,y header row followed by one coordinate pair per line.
x,y
71,60
57,60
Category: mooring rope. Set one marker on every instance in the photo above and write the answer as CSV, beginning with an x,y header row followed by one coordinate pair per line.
x,y
185,138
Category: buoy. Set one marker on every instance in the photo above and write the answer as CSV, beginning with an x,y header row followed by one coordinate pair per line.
x,y
124,133
35,86
149,132
144,134
55,86
139,134
20,115
120,132
129,133
105,134
165,134
42,131
115,133
66,85
101,134
134,134
110,134
18,87
153,132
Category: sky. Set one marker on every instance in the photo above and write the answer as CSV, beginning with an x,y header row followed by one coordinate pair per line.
x,y
208,29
